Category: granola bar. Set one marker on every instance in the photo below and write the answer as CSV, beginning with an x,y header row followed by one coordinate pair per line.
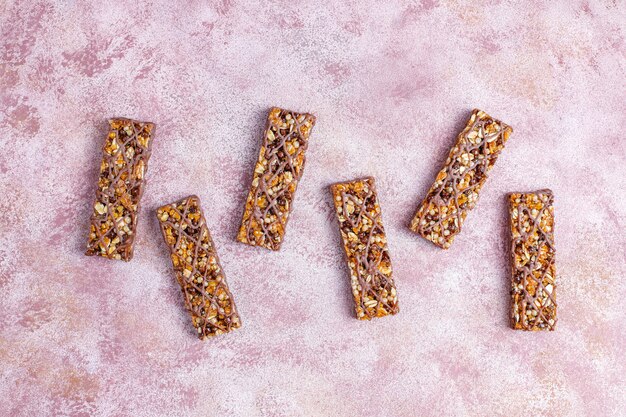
x,y
276,176
455,191
126,151
533,287
197,268
365,244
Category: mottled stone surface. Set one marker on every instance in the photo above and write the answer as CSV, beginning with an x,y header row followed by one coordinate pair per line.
x,y
392,84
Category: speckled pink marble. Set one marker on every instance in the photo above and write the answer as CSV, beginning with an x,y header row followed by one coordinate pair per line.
x,y
392,83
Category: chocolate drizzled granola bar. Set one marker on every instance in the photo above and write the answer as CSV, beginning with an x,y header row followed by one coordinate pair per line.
x,y
365,244
533,271
197,268
455,191
126,152
276,176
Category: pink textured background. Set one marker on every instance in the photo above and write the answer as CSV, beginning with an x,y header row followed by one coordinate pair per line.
x,y
391,83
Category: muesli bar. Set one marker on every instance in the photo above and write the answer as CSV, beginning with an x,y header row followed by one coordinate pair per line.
x,y
365,244
455,191
197,268
275,179
126,152
533,272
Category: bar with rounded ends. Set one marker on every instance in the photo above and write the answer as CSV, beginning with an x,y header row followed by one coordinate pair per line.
x,y
126,152
533,271
197,268
275,179
455,191
365,245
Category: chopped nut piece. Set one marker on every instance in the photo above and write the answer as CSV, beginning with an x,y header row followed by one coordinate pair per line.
x,y
533,293
455,191
365,244
197,268
126,151
275,179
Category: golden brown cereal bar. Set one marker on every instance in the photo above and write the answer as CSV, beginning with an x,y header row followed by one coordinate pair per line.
x,y
121,183
533,287
365,244
455,191
276,176
197,268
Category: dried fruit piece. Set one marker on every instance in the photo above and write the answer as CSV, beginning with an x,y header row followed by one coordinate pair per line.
x,y
365,244
125,156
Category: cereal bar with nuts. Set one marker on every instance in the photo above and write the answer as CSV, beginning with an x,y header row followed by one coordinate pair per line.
x,y
197,268
455,191
365,245
533,272
126,151
275,179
